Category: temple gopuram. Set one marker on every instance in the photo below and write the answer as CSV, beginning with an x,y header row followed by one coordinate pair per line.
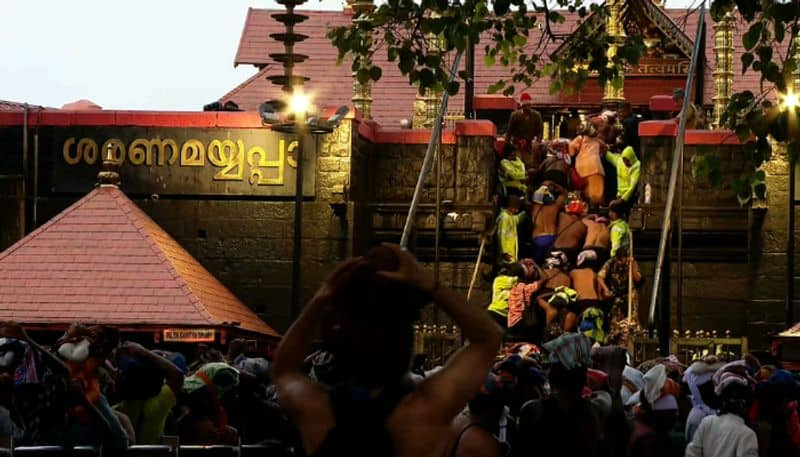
x,y
221,183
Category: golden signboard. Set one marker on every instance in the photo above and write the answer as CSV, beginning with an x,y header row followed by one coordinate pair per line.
x,y
189,335
228,155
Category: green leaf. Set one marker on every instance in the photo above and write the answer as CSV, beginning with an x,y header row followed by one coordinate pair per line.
x,y
520,40
488,60
375,73
780,31
747,60
752,36
494,88
765,53
501,7
452,87
362,75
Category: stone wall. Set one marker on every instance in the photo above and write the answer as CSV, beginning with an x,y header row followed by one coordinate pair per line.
x,y
246,241
734,257
391,176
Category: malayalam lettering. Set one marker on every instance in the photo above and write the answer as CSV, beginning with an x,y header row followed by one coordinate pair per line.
x,y
258,165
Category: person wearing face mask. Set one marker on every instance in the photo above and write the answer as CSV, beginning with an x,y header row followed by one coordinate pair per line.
x,y
91,420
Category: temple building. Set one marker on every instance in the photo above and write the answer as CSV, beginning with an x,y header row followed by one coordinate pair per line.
x,y
218,189
668,35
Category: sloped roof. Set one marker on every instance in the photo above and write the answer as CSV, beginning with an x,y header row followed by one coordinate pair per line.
x,y
82,104
392,95
6,105
103,260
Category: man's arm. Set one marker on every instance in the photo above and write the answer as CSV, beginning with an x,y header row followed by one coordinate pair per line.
x,y
446,392
613,159
172,374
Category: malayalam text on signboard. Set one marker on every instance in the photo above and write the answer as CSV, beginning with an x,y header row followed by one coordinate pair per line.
x,y
181,160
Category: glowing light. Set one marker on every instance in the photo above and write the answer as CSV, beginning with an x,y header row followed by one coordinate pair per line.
x,y
790,101
299,102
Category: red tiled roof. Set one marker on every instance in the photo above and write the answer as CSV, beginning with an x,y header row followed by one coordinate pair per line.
x,y
6,105
81,104
393,97
103,260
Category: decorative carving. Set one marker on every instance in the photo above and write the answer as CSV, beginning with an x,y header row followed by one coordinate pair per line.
x,y
338,142
614,89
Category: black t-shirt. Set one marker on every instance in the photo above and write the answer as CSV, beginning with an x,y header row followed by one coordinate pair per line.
x,y
546,430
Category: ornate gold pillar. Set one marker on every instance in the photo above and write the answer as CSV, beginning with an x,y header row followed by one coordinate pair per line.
x,y
723,66
426,106
614,91
797,63
362,93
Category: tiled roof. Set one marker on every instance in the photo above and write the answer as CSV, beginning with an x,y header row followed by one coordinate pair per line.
x,y
82,104
103,260
6,105
393,97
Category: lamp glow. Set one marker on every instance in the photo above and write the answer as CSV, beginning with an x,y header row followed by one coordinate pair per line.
x,y
790,101
299,102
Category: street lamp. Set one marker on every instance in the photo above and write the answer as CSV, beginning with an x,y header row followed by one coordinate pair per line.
x,y
790,101
274,113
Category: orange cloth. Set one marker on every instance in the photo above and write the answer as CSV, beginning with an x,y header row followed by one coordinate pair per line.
x,y
519,300
588,151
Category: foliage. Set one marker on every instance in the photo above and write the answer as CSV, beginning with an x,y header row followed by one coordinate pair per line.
x,y
418,35
769,42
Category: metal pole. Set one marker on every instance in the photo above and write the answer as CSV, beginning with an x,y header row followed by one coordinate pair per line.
x,y
438,226
790,246
298,225
679,224
677,160
428,161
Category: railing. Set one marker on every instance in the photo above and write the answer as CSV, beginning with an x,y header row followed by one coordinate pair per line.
x,y
677,168
437,342
244,450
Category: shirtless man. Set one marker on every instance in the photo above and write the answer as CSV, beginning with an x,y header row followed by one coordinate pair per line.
x,y
570,235
375,351
555,166
554,276
591,290
598,238
544,217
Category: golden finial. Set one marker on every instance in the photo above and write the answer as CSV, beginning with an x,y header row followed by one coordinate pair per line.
x,y
109,171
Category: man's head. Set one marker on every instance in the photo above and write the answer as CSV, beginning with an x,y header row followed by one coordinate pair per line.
x,y
509,151
525,102
368,320
513,204
624,110
629,156
615,210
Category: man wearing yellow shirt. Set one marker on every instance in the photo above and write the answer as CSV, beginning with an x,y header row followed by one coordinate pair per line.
x,y
149,385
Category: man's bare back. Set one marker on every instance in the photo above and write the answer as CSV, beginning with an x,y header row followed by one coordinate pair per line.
x,y
597,234
571,232
584,281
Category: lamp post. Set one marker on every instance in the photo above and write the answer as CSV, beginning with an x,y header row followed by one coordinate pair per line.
x,y
298,105
273,113
790,102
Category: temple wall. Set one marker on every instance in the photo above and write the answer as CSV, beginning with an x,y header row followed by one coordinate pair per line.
x,y
362,182
734,257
